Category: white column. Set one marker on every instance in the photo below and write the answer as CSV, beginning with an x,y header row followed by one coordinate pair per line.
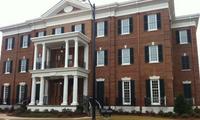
x,y
48,57
65,91
75,91
85,87
86,59
35,56
33,91
66,53
43,56
76,54
41,99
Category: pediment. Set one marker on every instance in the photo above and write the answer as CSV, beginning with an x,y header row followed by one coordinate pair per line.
x,y
66,6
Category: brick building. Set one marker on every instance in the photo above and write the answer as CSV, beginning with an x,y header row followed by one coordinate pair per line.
x,y
146,56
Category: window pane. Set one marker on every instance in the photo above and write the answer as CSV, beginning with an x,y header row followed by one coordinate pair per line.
x,y
125,26
9,45
100,58
183,37
155,92
126,93
152,22
100,29
125,56
40,34
23,65
25,41
5,96
153,53
58,31
7,67
78,28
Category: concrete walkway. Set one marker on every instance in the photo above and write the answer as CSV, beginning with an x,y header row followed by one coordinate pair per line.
x,y
5,117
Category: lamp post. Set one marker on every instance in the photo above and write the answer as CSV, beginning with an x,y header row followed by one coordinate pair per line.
x,y
93,8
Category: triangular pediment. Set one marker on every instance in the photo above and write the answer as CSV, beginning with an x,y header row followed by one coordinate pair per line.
x,y
66,6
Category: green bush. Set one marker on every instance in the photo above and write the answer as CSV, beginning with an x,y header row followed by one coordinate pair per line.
x,y
181,106
185,115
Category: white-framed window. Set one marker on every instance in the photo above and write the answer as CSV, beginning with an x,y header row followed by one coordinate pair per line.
x,y
155,91
8,66
21,93
5,93
126,56
25,41
153,54
78,28
58,30
100,29
125,26
152,22
100,58
126,92
9,44
41,34
23,65
183,37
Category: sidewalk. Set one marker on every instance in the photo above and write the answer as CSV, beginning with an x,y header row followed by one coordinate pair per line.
x,y
5,117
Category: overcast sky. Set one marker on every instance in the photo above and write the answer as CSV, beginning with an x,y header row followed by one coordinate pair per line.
x,y
16,11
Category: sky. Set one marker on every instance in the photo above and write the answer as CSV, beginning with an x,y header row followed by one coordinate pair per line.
x,y
17,11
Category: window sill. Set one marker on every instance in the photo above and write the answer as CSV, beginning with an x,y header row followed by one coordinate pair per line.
x,y
23,72
154,62
125,33
184,43
152,30
7,73
24,47
100,36
125,64
9,50
185,70
100,66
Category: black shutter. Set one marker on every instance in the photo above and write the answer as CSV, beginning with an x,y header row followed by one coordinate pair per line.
x,y
189,36
83,28
146,54
21,41
148,89
25,92
131,24
19,67
45,33
145,22
53,31
11,63
132,92
119,27
185,62
13,43
131,55
9,93
73,28
162,88
36,34
29,40
6,43
158,20
4,66
119,56
177,37
105,57
27,65
2,91
105,28
160,52
17,94
120,92
62,29
187,90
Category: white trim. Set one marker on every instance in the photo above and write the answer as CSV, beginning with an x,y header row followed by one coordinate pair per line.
x,y
187,82
126,78
150,54
101,65
100,79
22,83
123,95
6,84
99,25
122,26
152,103
123,56
155,20
154,77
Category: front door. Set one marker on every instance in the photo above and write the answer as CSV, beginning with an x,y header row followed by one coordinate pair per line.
x,y
100,91
55,92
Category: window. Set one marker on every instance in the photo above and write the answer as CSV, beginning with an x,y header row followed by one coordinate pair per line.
x,y
183,37
126,56
152,22
78,28
24,41
125,29
187,89
126,92
23,65
8,66
21,93
9,43
100,29
185,62
100,58
153,54
58,31
155,92
6,94
40,34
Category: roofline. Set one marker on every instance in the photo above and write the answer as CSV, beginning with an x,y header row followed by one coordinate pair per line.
x,y
190,17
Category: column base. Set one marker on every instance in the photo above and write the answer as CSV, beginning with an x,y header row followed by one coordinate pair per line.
x,y
32,103
40,103
74,103
64,103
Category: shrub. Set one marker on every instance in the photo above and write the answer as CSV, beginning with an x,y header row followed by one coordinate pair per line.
x,y
36,110
54,111
161,113
197,110
46,110
185,115
181,106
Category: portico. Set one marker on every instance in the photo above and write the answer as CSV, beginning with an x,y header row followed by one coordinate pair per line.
x,y
71,50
